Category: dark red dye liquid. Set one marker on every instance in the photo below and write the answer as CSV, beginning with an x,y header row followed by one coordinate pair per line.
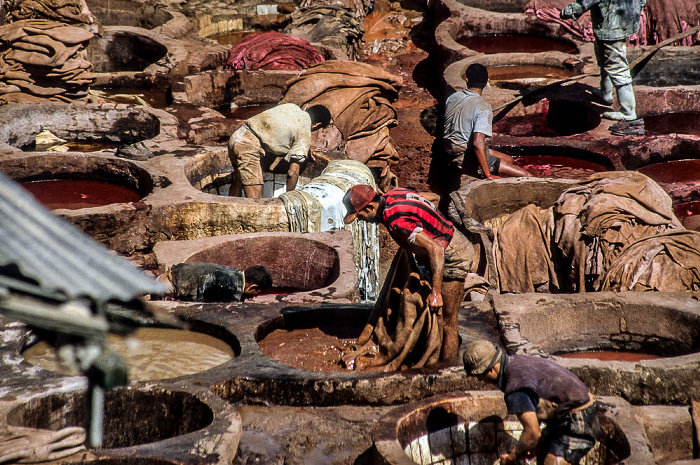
x,y
243,113
515,43
550,166
507,73
611,356
280,291
668,123
678,171
689,214
75,194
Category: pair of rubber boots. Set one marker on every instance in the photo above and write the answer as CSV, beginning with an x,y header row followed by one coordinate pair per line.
x,y
625,97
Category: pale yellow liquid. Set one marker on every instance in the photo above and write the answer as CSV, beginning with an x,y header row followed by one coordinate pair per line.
x,y
150,353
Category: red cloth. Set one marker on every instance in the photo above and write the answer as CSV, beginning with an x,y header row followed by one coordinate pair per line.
x,y
273,50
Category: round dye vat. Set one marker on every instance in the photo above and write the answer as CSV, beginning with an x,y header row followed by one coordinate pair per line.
x,y
689,214
511,72
231,39
678,171
131,96
516,43
243,112
74,194
611,356
672,123
314,349
150,353
550,166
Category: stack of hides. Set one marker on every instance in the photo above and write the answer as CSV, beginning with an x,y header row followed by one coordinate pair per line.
x,y
359,97
331,27
273,50
43,51
615,231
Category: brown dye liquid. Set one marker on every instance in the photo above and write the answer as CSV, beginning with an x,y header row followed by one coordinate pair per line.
x,y
678,171
508,73
669,123
312,349
231,38
550,166
154,98
611,356
74,194
150,353
689,214
244,112
515,43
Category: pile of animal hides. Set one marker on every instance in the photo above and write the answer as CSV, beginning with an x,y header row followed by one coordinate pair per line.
x,y
615,231
43,51
273,50
401,332
329,27
359,97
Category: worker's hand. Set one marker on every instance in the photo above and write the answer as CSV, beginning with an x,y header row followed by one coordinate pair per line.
x,y
434,301
492,176
507,459
572,11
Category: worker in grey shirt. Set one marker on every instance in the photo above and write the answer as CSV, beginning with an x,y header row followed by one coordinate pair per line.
x,y
467,124
613,22
283,132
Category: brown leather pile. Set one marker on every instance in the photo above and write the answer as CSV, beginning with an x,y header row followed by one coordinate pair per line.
x,y
359,97
75,12
273,50
358,8
614,231
43,59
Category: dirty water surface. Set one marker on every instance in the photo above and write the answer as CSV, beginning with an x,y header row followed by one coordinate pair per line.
x,y
74,194
150,353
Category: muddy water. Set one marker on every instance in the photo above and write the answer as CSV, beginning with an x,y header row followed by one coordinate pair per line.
x,y
74,194
231,38
312,349
515,43
669,123
508,73
611,356
689,214
84,147
550,166
678,171
129,96
150,354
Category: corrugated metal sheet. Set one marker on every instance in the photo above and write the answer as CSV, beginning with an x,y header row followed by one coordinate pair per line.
x,y
60,257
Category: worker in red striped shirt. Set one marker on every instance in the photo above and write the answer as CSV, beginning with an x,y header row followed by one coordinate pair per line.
x,y
444,255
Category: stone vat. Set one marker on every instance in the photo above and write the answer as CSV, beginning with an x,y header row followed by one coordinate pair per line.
x,y
473,427
308,266
662,324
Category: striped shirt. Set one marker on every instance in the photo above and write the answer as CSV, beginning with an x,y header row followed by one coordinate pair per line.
x,y
406,213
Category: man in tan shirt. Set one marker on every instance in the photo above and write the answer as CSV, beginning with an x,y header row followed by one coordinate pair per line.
x,y
283,132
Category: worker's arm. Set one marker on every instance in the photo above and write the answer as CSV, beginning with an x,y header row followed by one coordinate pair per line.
x,y
480,151
425,246
292,176
576,9
530,437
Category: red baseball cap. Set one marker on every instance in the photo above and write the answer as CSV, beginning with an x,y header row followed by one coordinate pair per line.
x,y
357,198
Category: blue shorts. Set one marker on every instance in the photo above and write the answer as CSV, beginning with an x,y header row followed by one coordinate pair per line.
x,y
572,436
